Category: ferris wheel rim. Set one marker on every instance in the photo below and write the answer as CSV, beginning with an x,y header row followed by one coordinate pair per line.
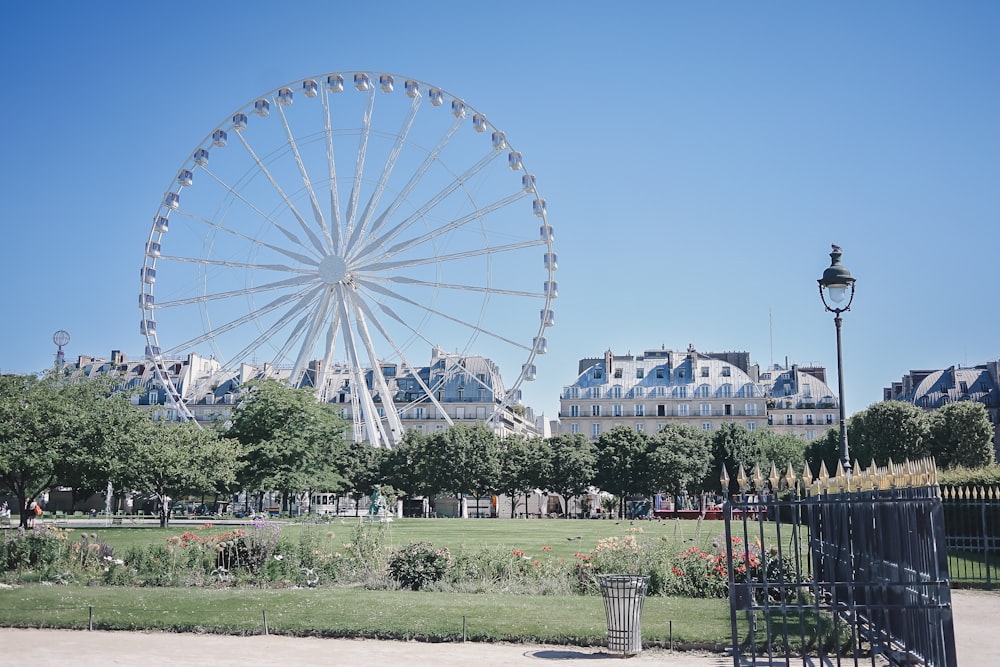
x,y
332,273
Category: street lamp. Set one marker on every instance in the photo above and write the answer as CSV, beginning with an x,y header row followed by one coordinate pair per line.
x,y
836,289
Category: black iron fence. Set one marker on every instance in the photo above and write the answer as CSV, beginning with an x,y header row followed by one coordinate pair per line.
x,y
844,570
972,533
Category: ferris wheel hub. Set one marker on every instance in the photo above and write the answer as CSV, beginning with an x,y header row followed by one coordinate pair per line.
x,y
332,269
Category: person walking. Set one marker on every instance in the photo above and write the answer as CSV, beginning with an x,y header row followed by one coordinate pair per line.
x,y
28,515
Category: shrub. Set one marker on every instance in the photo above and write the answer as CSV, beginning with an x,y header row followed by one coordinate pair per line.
x,y
419,564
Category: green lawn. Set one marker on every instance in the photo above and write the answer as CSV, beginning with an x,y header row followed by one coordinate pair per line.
x,y
332,612
564,536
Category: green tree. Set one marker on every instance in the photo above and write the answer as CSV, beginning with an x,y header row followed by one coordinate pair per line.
x,y
362,469
960,434
475,456
53,431
403,466
888,429
571,466
291,442
679,459
171,459
826,450
622,466
518,461
35,436
732,446
782,449
105,426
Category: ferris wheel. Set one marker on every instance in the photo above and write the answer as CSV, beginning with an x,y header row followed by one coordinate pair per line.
x,y
344,225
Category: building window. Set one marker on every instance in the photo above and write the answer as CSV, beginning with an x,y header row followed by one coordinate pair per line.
x,y
595,410
420,413
702,391
705,409
661,410
439,427
154,397
659,373
595,430
751,426
595,392
810,434
725,371
750,409
618,373
574,392
574,411
705,426
765,376
704,371
639,373
419,427
637,392
638,427
682,392
574,428
640,410
598,373
788,419
617,410
728,407
829,419
683,409
809,419
616,391
727,390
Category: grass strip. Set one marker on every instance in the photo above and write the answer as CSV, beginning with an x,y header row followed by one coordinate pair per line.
x,y
332,612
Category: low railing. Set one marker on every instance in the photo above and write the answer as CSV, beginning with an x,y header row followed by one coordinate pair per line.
x,y
972,533
850,569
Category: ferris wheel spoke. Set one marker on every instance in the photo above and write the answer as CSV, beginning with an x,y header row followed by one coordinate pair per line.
x,y
359,166
466,288
253,207
284,268
478,214
372,420
301,306
336,235
411,184
478,329
390,164
317,244
378,379
246,291
323,377
438,259
233,324
317,212
430,205
309,341
403,360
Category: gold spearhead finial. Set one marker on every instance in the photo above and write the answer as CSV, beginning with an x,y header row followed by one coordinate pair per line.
x,y
742,480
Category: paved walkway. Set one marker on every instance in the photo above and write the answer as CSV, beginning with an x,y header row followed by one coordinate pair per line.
x,y
976,636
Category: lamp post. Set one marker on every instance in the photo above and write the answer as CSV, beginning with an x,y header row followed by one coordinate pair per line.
x,y
836,289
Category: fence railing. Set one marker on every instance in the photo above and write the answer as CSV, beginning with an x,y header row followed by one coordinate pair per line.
x,y
972,533
842,570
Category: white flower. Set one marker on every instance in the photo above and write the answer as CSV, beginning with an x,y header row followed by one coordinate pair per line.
x,y
278,557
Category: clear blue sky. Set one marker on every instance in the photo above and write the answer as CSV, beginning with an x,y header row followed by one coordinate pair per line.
x,y
698,159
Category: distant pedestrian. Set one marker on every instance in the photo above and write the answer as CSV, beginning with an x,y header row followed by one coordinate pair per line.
x,y
27,519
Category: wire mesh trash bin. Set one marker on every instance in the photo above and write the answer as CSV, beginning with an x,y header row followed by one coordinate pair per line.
x,y
623,597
